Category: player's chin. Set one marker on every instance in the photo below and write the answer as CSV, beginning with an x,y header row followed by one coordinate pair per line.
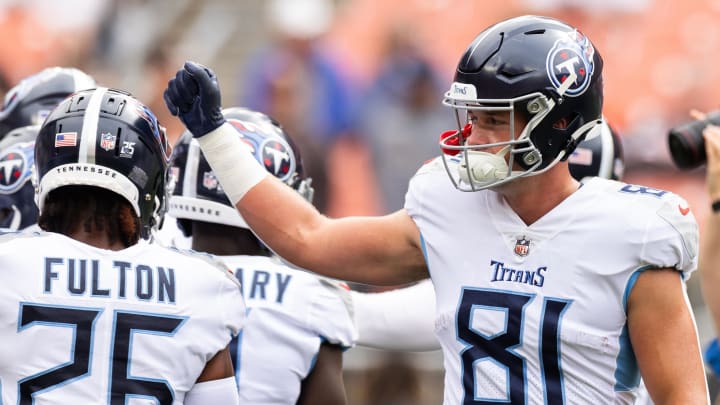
x,y
512,186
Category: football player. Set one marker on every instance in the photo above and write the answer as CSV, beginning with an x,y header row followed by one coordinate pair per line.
x,y
17,157
298,324
398,319
547,292
26,106
31,100
89,314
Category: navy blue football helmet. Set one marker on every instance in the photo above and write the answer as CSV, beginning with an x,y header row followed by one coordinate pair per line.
x,y
105,138
599,155
31,100
540,68
198,196
17,205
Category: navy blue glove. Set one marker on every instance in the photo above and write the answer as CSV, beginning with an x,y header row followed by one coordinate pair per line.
x,y
194,97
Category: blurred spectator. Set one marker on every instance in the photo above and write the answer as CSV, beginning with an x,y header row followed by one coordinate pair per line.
x,y
401,116
295,80
41,33
158,66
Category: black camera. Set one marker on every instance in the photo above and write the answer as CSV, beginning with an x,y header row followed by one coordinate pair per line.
x,y
687,145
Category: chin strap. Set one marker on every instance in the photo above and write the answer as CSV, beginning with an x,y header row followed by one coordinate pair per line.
x,y
574,140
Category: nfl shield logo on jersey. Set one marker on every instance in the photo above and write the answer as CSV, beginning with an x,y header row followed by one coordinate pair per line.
x,y
522,247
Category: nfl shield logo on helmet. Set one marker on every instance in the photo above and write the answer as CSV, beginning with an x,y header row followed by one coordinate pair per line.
x,y
522,247
209,181
107,141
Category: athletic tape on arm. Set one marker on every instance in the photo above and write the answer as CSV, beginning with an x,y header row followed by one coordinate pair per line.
x,y
232,161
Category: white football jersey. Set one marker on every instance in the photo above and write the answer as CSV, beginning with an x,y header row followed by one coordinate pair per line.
x,y
537,314
169,235
290,314
83,325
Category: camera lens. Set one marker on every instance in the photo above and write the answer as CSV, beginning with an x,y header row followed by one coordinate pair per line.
x,y
687,145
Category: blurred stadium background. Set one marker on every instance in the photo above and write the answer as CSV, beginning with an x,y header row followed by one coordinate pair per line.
x,y
660,57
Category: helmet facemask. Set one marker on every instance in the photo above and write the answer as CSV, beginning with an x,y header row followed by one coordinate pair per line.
x,y
544,74
473,168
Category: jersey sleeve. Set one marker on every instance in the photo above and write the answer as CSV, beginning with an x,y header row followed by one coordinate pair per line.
x,y
671,237
401,319
231,303
413,197
228,304
332,314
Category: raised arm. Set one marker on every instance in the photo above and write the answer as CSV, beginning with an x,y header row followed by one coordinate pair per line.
x,y
373,250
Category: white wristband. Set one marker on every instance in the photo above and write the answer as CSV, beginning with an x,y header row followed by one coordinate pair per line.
x,y
232,161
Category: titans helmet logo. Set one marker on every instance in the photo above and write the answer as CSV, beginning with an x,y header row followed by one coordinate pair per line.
x,y
570,64
15,167
278,159
272,151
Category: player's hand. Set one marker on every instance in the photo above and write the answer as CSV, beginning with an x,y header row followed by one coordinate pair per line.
x,y
712,150
194,97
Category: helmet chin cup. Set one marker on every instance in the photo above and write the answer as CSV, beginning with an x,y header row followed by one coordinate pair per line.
x,y
482,169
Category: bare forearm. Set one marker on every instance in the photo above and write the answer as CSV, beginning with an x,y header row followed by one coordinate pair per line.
x,y
665,354
347,248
